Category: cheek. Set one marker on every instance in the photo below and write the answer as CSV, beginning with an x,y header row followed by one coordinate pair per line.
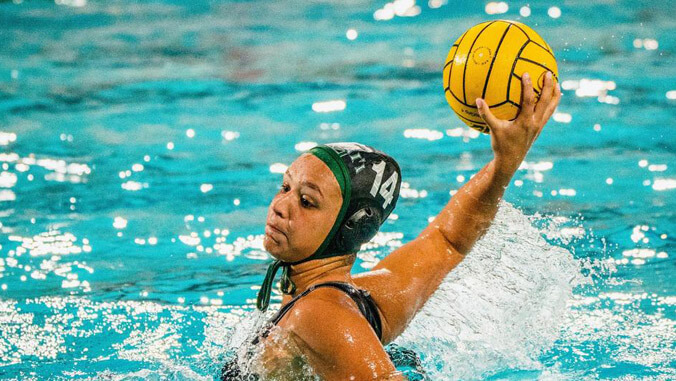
x,y
321,225
307,232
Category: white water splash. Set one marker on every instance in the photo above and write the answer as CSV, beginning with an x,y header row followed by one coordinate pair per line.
x,y
500,308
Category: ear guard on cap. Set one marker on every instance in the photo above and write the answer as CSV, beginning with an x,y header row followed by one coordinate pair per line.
x,y
358,228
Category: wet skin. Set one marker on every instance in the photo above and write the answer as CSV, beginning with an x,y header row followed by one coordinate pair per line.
x,y
338,342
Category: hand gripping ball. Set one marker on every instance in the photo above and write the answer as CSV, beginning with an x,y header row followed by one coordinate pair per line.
x,y
487,62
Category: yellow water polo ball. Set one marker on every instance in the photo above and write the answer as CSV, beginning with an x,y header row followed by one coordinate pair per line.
x,y
487,62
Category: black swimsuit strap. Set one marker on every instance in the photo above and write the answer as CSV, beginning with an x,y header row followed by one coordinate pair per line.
x,y
362,298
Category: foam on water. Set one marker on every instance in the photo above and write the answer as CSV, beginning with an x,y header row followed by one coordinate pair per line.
x,y
502,307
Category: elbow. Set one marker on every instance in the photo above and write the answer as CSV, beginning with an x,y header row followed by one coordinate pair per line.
x,y
463,241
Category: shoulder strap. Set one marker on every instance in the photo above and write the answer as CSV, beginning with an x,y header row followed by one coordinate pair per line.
x,y
362,298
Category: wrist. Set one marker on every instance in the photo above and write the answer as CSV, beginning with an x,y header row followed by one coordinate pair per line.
x,y
505,170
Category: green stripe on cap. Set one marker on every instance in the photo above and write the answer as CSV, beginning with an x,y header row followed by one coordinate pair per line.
x,y
342,174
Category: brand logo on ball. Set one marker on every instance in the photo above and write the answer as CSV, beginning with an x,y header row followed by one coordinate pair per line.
x,y
482,55
471,112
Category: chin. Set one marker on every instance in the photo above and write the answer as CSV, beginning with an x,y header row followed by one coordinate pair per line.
x,y
273,248
278,251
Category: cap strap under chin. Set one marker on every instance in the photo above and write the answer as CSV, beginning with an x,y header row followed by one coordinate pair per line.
x,y
287,285
263,300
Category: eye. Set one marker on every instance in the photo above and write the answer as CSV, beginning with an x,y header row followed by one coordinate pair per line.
x,y
305,202
284,188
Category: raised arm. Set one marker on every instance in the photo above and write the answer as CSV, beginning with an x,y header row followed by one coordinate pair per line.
x,y
403,281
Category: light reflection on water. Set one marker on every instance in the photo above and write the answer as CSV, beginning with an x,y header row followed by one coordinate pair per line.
x,y
141,143
188,341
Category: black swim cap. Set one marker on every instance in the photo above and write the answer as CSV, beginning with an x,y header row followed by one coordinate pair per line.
x,y
369,182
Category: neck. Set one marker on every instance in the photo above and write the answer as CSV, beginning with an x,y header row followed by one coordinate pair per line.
x,y
333,269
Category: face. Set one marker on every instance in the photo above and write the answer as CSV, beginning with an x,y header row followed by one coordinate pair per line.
x,y
304,210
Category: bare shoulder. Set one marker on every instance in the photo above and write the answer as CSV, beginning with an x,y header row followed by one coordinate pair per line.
x,y
340,341
328,316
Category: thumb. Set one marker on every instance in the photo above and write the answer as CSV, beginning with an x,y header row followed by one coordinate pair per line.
x,y
486,114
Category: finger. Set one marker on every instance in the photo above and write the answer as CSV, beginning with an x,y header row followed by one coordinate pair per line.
x,y
545,98
527,97
551,107
553,104
486,114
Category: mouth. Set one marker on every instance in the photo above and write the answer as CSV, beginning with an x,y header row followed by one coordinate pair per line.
x,y
274,232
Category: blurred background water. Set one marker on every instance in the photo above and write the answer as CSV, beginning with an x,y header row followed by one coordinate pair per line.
x,y
141,142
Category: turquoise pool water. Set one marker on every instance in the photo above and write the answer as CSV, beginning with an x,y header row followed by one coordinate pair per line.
x,y
140,144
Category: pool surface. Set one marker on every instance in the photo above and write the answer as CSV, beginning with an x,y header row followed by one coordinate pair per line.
x,y
141,142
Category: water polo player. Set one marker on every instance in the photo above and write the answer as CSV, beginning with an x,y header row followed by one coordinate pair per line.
x,y
333,199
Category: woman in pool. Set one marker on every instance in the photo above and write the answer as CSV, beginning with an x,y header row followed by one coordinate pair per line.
x,y
333,199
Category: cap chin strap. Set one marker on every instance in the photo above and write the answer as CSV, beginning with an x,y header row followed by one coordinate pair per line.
x,y
342,174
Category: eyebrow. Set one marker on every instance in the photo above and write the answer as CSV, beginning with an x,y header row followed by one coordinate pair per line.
x,y
308,184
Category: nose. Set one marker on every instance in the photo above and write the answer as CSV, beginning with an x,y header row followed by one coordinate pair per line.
x,y
280,205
